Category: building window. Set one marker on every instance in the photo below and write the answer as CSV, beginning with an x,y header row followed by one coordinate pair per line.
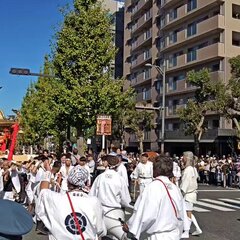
x,y
236,39
173,14
192,54
173,37
147,54
191,5
147,34
215,124
147,15
172,60
215,67
147,73
236,11
146,93
172,84
191,29
162,21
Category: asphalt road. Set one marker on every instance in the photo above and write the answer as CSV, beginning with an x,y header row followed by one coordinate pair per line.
x,y
218,214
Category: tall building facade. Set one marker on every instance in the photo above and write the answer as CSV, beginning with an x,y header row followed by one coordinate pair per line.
x,y
180,35
116,9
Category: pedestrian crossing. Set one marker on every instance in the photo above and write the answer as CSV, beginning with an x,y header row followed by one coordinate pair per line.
x,y
221,204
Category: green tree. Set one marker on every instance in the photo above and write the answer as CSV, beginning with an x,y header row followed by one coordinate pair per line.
x,y
194,114
228,103
82,59
40,111
137,122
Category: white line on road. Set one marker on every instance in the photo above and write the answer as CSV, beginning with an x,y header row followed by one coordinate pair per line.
x,y
230,200
220,203
214,206
235,190
198,209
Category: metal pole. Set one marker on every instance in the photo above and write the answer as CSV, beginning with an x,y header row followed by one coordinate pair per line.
x,y
103,141
163,109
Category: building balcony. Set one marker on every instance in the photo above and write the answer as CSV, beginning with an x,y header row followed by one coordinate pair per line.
x,y
205,28
140,79
144,96
143,22
184,15
142,6
143,40
209,136
205,54
141,60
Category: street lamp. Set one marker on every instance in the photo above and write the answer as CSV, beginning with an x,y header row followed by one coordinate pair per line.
x,y
162,71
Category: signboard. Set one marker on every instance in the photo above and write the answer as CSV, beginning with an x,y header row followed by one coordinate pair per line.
x,y
104,125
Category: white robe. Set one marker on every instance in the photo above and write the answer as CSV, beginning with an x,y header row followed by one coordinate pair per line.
x,y
154,214
1,180
122,171
189,184
55,212
144,174
64,173
15,180
111,189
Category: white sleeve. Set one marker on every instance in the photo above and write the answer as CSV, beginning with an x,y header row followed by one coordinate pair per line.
x,y
1,181
125,196
144,214
135,173
100,225
42,207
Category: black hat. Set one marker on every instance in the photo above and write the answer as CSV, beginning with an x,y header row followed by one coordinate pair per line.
x,y
16,221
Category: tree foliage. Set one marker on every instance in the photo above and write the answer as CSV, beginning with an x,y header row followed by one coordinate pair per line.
x,y
193,115
40,112
137,122
229,97
81,60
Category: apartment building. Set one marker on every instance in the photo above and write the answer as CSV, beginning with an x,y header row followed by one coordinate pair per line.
x,y
116,9
180,35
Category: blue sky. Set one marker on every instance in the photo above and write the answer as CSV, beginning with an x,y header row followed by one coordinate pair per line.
x,y
26,30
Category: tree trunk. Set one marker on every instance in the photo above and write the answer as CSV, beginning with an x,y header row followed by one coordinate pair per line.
x,y
196,145
141,142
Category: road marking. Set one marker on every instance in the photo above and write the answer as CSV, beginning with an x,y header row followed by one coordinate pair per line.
x,y
230,200
220,203
198,209
224,190
214,206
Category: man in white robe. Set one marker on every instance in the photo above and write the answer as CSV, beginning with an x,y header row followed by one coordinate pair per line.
x,y
143,173
54,209
122,170
112,191
159,210
189,187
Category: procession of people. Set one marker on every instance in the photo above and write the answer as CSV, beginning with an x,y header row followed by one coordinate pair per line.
x,y
85,197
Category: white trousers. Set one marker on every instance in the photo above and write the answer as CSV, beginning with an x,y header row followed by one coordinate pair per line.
x,y
173,235
143,183
113,225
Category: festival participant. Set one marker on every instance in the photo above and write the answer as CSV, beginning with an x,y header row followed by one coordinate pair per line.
x,y
112,191
159,210
122,170
189,189
11,182
143,173
64,171
73,215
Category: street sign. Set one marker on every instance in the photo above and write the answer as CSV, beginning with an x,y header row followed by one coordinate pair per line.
x,y
104,125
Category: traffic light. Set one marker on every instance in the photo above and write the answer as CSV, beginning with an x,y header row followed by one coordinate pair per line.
x,y
20,71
